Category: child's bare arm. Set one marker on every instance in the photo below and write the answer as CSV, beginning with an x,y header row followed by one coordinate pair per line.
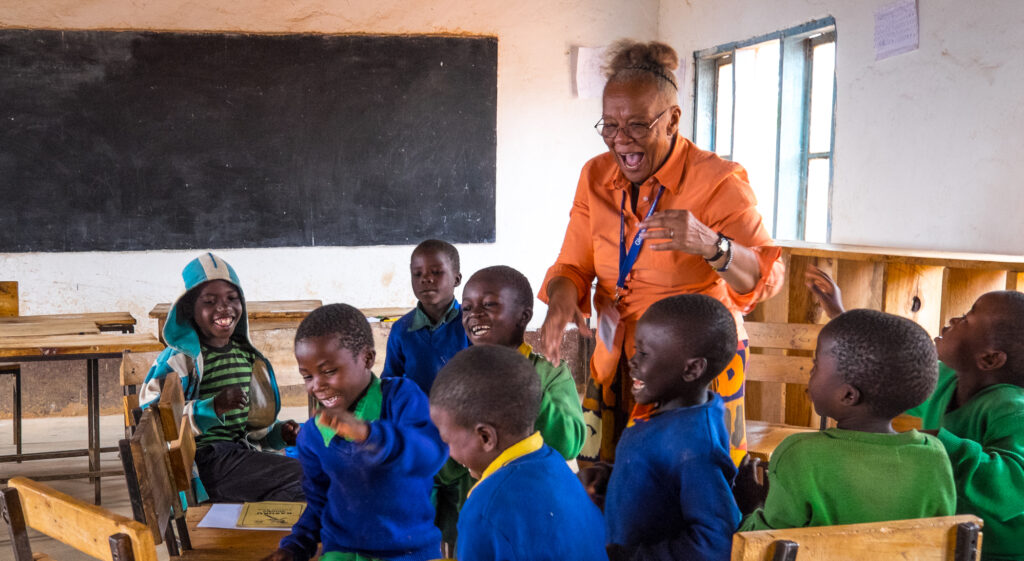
x,y
751,485
825,291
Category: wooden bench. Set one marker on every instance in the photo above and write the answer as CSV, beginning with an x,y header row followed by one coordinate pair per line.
x,y
89,529
9,309
780,354
134,367
946,538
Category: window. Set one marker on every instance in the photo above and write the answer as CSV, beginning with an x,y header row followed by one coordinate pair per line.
x,y
769,104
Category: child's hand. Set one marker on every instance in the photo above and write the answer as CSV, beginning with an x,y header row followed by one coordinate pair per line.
x,y
595,480
825,291
230,398
289,432
751,485
345,424
279,555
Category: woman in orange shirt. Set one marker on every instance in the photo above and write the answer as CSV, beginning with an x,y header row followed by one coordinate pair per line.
x,y
653,217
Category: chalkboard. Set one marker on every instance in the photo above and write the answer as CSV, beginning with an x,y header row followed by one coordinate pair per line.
x,y
137,141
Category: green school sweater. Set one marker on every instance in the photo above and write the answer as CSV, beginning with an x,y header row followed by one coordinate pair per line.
x,y
985,442
850,477
561,416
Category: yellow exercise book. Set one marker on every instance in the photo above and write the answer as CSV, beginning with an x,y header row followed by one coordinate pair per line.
x,y
270,514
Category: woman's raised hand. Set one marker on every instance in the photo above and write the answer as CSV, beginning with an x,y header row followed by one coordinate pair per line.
x,y
562,310
679,230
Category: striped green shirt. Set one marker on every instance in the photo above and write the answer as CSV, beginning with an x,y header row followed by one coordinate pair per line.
x,y
222,368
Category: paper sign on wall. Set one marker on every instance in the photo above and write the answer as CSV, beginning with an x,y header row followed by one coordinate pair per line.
x,y
896,29
588,80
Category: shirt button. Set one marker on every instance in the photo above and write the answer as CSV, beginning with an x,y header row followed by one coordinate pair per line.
x,y
647,198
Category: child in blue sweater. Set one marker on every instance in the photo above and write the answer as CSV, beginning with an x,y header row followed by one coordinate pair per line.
x,y
527,505
421,342
368,459
669,495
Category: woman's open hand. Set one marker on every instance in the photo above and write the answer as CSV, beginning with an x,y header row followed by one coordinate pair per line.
x,y
562,310
679,230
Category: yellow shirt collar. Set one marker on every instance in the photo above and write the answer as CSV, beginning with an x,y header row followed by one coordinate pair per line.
x,y
525,349
522,448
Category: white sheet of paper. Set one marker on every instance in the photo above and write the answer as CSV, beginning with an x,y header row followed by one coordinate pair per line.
x,y
225,515
896,29
588,79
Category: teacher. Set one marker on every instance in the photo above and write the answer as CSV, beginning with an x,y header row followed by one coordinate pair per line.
x,y
653,217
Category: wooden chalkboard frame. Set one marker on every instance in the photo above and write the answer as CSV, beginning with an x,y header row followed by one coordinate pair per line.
x,y
144,140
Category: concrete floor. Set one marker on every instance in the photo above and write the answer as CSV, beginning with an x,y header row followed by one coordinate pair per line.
x,y
64,433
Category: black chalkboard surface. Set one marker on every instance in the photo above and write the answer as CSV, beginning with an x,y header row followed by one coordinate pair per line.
x,y
136,141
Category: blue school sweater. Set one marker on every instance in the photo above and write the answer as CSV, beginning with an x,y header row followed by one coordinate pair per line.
x,y
532,509
670,493
373,497
418,351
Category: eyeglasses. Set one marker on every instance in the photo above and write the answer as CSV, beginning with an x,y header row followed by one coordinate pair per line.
x,y
636,131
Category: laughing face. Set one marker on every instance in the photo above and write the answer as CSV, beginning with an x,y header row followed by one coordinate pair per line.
x,y
968,336
658,365
217,310
333,374
490,314
632,103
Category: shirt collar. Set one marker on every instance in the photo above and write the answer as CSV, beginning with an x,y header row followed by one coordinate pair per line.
x,y
525,349
524,447
670,174
420,319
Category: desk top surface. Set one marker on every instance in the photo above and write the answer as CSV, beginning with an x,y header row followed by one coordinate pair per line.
x,y
101,319
257,309
217,544
50,327
71,346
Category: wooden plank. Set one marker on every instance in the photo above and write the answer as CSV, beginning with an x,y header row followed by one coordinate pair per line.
x,y
258,309
182,454
218,544
915,292
802,309
862,283
961,287
764,438
53,327
780,369
83,526
71,345
171,406
924,539
149,456
960,260
1015,281
8,298
803,336
135,366
766,402
101,319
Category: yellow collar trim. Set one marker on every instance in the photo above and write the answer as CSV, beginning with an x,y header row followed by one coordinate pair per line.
x,y
525,349
526,446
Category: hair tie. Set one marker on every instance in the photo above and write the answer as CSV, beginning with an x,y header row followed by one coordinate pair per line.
x,y
654,70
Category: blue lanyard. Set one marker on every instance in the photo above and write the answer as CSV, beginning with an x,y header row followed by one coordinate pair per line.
x,y
627,260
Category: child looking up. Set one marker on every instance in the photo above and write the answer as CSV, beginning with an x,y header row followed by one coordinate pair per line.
x,y
423,340
977,410
527,504
369,457
670,492
497,304
869,367
232,400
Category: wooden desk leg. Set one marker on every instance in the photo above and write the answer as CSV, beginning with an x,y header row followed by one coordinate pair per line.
x,y
93,407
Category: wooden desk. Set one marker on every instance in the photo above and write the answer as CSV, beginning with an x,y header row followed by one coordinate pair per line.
x,y
53,327
218,544
104,321
276,314
86,346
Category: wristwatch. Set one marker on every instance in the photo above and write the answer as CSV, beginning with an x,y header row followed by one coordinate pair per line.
x,y
722,246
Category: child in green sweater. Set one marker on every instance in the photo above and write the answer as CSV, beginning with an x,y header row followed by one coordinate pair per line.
x,y
868,368
977,411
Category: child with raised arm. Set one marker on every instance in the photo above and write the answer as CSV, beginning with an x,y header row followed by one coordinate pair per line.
x,y
231,394
669,495
497,304
527,504
977,411
869,367
368,458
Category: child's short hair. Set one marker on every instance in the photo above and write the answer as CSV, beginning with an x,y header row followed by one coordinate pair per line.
x,y
1008,329
489,384
701,323
890,359
442,247
341,320
508,276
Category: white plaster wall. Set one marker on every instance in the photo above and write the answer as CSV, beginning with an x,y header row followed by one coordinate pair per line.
x,y
929,144
543,134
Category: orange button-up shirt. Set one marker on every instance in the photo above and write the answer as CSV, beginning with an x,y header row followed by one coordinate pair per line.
x,y
716,191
